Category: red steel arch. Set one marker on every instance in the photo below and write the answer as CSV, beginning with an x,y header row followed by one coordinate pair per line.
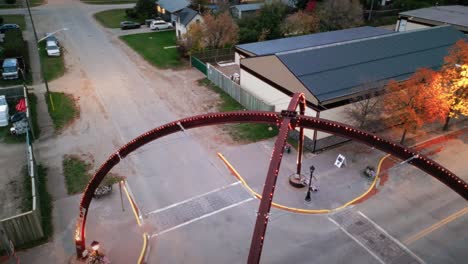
x,y
286,120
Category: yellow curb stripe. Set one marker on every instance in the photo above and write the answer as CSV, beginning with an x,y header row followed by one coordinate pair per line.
x,y
298,210
435,226
143,250
132,204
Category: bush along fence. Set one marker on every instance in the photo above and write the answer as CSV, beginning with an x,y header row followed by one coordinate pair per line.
x,y
245,98
26,227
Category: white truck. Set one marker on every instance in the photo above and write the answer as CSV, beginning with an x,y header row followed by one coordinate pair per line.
x,y
4,112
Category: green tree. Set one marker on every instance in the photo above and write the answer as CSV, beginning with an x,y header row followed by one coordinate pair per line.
x,y
340,14
145,8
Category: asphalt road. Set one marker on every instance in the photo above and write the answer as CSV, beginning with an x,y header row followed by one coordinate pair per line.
x,y
179,168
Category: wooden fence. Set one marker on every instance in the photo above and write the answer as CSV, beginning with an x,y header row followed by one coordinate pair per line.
x,y
26,227
242,96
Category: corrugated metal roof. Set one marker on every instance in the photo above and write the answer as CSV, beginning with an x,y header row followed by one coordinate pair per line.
x,y
173,5
248,7
312,40
455,14
337,70
186,15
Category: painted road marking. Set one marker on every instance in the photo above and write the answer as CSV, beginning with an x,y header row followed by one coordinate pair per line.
x,y
373,238
203,216
435,226
193,198
183,213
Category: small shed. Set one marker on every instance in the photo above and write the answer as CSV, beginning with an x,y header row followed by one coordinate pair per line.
x,y
239,11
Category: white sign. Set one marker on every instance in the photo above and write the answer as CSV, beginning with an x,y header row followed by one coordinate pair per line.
x,y
340,161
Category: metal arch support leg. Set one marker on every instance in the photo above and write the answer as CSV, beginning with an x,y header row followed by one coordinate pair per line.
x,y
261,223
300,147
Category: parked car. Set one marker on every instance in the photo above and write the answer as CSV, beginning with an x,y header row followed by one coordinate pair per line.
x,y
10,69
129,25
5,27
51,37
4,112
160,24
53,50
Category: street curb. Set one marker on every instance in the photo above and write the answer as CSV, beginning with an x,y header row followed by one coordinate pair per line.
x,y
143,259
135,208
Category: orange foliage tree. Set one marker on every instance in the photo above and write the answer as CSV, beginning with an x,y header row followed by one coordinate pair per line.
x,y
415,101
453,80
220,30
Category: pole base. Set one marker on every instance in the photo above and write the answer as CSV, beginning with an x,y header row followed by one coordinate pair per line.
x,y
297,180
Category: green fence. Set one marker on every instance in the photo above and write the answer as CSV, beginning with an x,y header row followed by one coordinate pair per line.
x,y
198,64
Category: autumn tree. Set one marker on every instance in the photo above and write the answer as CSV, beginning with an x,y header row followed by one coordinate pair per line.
x,y
193,40
340,14
454,81
415,101
219,30
300,23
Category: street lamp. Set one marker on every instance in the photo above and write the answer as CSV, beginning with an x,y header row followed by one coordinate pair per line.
x,y
51,34
307,198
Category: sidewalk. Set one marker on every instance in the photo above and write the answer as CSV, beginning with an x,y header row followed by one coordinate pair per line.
x,y
337,186
116,230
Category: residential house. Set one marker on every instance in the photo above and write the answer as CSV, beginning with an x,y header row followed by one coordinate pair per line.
x,y
239,11
455,15
185,18
334,68
168,9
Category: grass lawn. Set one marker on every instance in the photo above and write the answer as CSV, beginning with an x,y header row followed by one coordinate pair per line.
x,y
64,109
151,47
77,174
54,67
15,19
108,2
240,132
112,18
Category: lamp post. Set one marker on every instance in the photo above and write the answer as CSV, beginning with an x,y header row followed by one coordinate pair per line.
x,y
309,189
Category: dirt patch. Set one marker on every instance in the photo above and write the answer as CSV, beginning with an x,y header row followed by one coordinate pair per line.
x,y
12,162
185,98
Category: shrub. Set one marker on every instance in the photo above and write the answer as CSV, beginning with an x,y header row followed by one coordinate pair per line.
x,y
130,12
10,2
1,20
14,45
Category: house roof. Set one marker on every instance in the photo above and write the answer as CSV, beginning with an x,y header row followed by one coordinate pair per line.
x,y
339,70
454,14
312,40
248,7
173,6
186,15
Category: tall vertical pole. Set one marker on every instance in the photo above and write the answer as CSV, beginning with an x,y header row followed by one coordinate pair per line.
x,y
261,223
300,147
317,115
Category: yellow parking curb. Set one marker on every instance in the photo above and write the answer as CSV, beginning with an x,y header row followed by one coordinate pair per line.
x,y
299,210
141,259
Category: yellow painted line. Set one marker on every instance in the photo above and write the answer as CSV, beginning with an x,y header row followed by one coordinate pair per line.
x,y
299,210
141,259
132,204
51,102
435,226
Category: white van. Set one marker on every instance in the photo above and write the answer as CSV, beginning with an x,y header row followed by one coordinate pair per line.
x,y
160,24
10,69
4,112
